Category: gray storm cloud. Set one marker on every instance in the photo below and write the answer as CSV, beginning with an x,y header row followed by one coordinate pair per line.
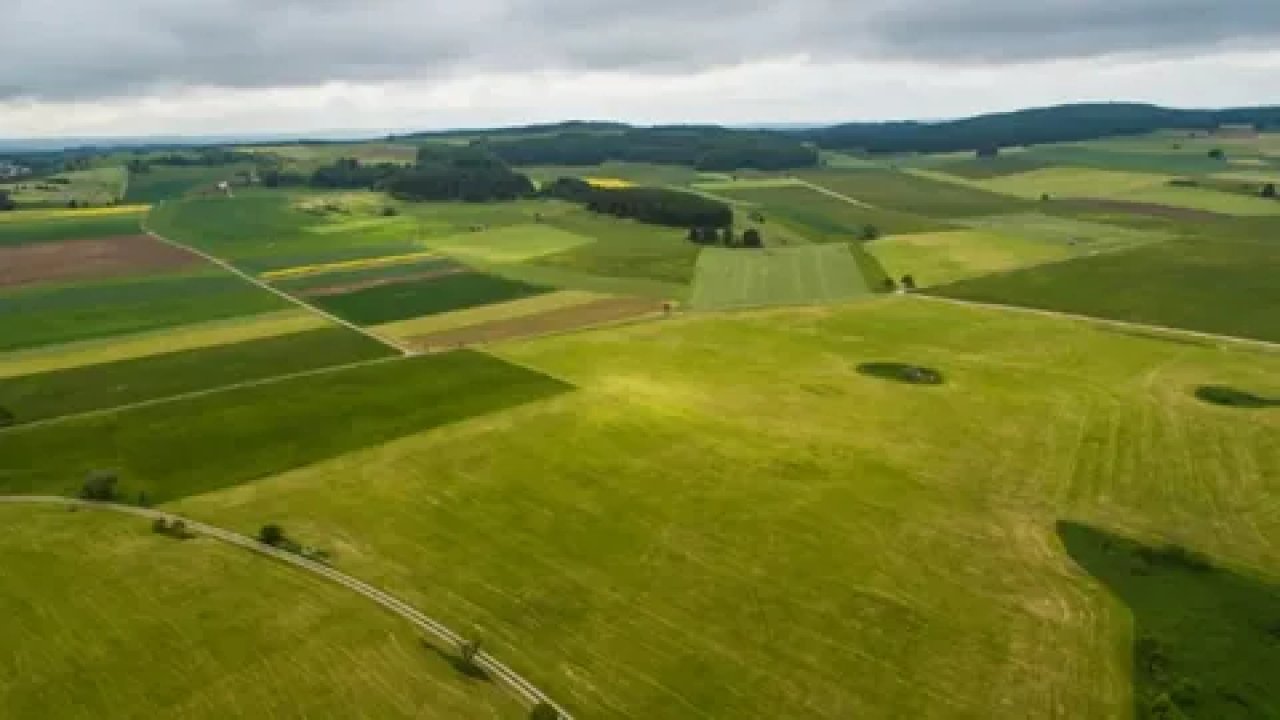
x,y
88,49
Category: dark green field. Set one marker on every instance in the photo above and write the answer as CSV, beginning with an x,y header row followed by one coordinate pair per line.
x,y
822,218
163,182
66,392
191,446
49,315
1206,640
390,303
1218,280
71,228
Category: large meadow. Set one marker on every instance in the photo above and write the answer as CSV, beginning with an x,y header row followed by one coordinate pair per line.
x,y
658,479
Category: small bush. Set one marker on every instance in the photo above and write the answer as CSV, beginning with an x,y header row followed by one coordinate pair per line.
x,y
7,418
99,486
272,535
544,711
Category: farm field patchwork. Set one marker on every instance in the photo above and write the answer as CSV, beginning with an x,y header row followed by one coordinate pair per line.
x,y
337,283
56,393
192,628
522,307
96,258
602,311
27,227
776,276
169,182
401,301
49,315
196,444
912,194
95,187
941,258
1068,232
735,520
823,218
158,342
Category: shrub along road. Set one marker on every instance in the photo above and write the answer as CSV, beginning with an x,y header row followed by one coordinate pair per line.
x,y
523,688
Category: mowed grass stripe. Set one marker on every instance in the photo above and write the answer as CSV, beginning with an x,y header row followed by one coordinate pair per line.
x,y
193,445
93,387
777,276
401,301
158,342
347,265
522,307
940,258
202,631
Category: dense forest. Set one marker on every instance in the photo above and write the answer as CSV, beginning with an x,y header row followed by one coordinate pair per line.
x,y
704,148
441,173
658,206
1065,123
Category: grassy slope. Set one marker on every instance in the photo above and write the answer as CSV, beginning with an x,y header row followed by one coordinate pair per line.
x,y
392,303
66,392
59,314
162,182
101,618
1218,278
779,276
941,258
728,520
183,447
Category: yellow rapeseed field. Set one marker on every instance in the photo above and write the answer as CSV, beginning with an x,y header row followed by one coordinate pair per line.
x,y
609,183
65,213
303,270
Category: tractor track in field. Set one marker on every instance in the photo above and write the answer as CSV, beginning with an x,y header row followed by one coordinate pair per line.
x,y
525,690
1263,345
403,350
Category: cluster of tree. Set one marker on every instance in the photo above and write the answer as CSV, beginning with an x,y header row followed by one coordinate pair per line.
x,y
350,173
704,148
175,528
99,486
441,173
1268,190
200,157
1065,123
657,206
750,238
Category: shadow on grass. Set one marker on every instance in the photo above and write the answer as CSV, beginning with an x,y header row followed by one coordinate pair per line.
x,y
1206,640
460,664
902,372
1231,397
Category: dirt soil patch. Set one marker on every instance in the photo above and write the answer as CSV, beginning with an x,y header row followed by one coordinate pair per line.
x,y
1141,208
599,312
93,259
331,290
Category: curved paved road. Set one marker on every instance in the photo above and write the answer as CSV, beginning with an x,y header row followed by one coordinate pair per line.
x,y
527,692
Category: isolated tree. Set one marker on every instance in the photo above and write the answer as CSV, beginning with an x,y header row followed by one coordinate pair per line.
x,y
469,651
1269,190
544,711
868,233
752,239
271,534
1217,154
7,417
99,486
890,285
1045,197
988,151
908,283
695,235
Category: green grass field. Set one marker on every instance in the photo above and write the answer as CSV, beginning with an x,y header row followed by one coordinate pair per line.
x,y
823,218
392,303
728,519
911,194
102,618
66,392
51,315
37,226
399,271
1218,280
941,258
169,182
514,243
194,445
776,276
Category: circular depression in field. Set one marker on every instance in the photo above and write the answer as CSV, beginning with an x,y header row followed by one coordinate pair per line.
x,y
902,372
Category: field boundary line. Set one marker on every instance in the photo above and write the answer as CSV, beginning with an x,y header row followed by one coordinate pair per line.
x,y
199,393
837,195
277,292
1265,345
524,689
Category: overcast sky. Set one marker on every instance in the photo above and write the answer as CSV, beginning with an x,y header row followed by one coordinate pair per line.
x,y
137,67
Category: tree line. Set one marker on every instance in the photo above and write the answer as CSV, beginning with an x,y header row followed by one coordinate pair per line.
x,y
703,148
1064,123
657,206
